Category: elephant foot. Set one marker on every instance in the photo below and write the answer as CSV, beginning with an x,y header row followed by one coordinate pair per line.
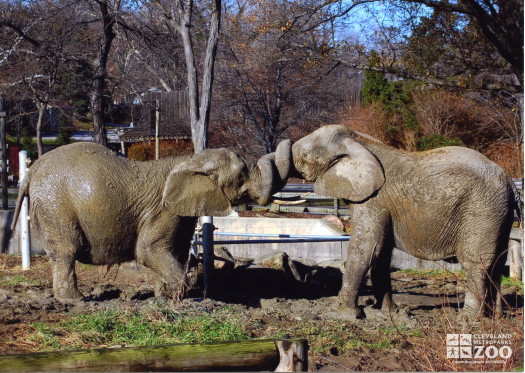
x,y
470,314
348,306
171,291
69,297
352,313
389,307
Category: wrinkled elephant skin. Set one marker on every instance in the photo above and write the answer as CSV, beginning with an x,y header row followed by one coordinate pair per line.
x,y
450,203
90,205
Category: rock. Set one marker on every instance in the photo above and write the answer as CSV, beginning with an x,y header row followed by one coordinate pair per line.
x,y
336,263
306,262
305,267
274,260
332,219
279,260
223,259
243,262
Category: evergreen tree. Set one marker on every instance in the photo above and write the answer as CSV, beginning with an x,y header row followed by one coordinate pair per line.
x,y
27,144
64,132
376,87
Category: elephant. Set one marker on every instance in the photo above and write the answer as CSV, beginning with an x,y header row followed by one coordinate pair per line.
x,y
450,203
89,205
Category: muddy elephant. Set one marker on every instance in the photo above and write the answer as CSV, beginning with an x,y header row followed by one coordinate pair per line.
x,y
90,205
450,203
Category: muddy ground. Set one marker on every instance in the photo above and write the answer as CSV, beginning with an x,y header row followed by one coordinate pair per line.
x,y
269,303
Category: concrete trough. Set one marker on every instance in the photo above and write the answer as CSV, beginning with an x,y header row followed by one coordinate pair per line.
x,y
316,251
319,252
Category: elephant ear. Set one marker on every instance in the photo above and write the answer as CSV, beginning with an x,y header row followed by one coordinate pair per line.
x,y
355,176
189,193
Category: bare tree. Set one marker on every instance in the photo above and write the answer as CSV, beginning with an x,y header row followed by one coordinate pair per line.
x,y
107,13
43,42
497,23
278,77
180,16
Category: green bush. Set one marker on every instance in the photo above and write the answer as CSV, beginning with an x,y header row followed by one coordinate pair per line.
x,y
64,132
27,144
437,140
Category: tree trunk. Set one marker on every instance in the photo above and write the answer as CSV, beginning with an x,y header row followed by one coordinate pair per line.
x,y
41,112
98,85
262,355
199,104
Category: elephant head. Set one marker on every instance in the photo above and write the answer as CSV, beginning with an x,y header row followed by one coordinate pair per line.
x,y
211,182
340,166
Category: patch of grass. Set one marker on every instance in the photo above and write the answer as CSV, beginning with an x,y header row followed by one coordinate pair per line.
x,y
46,335
392,330
341,336
110,328
18,280
512,283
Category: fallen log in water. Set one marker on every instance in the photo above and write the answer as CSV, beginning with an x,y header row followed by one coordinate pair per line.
x,y
261,355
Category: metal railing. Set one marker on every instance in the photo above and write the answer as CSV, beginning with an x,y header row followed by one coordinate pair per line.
x,y
317,204
273,238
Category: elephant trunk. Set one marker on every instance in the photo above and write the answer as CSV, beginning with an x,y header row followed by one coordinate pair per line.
x,y
273,171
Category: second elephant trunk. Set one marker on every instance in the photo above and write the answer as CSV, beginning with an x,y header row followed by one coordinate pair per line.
x,y
272,171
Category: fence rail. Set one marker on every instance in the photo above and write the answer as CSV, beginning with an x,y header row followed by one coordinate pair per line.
x,y
317,204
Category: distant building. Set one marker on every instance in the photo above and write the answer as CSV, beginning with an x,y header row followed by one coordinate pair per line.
x,y
174,122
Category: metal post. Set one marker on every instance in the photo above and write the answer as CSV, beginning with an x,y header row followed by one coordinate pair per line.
x,y
3,143
25,243
157,119
207,253
336,207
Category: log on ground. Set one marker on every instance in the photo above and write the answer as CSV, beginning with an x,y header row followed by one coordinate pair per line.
x,y
261,355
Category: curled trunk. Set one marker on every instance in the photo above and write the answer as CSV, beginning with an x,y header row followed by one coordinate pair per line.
x,y
272,172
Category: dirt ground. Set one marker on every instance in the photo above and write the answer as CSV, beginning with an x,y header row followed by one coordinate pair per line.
x,y
270,303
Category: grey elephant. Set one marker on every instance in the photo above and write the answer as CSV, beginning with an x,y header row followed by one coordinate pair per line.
x,y
90,205
450,203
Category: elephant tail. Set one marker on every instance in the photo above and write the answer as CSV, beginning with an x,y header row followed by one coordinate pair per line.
x,y
23,192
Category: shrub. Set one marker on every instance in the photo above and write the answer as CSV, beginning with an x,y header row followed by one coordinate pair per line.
x,y
145,151
437,140
508,155
141,151
64,132
27,144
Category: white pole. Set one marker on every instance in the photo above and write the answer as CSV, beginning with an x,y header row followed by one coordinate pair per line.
x,y
207,253
25,243
157,120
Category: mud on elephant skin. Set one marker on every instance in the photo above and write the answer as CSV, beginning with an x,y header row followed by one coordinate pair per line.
x,y
450,203
90,205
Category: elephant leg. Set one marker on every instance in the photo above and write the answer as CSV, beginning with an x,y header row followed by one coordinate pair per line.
x,y
368,242
166,252
381,280
65,279
171,273
475,291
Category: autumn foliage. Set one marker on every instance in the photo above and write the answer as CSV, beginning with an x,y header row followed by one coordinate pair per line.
x,y
145,151
444,118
